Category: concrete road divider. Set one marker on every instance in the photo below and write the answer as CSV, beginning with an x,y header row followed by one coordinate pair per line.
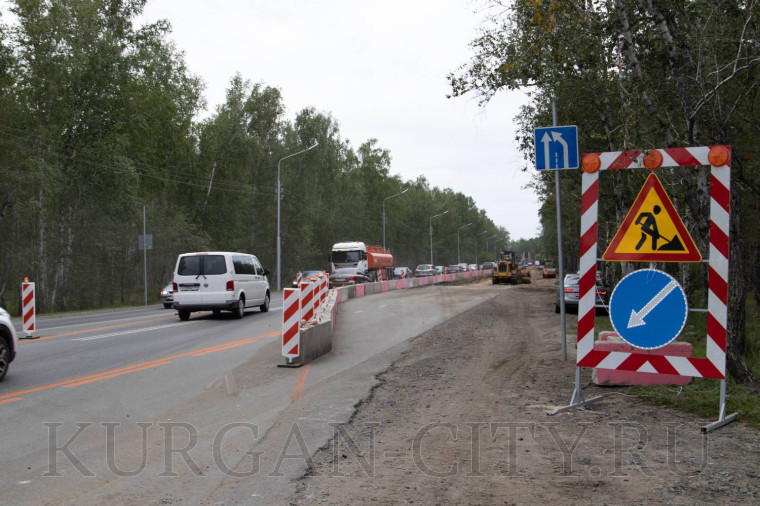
x,y
316,338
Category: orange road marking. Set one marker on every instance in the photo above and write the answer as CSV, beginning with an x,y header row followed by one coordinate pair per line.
x,y
84,380
98,329
8,401
300,383
122,373
235,344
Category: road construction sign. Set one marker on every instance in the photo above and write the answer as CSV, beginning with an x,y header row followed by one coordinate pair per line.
x,y
652,231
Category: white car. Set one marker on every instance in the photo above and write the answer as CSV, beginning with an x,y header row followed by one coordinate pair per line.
x,y
403,273
8,342
219,280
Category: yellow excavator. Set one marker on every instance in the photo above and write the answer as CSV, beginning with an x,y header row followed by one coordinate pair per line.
x,y
507,270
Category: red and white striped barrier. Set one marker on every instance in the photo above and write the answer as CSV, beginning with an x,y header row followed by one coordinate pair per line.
x,y
323,287
307,301
714,364
291,323
28,307
315,287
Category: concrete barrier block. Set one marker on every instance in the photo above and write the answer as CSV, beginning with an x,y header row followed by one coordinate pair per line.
x,y
611,341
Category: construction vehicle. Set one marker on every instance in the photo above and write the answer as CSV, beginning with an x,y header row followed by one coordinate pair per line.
x,y
376,262
507,270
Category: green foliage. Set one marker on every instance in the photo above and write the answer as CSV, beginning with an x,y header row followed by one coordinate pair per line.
x,y
636,75
97,123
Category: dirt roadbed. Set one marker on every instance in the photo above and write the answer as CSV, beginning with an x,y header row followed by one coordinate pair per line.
x,y
461,418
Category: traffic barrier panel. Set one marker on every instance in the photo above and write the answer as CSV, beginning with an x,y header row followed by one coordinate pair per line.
x,y
307,302
28,307
610,342
316,285
325,285
291,323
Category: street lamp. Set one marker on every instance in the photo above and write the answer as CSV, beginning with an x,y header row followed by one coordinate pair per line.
x,y
386,198
459,260
279,270
431,234
476,246
487,238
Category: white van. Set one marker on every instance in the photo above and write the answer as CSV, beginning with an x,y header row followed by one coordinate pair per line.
x,y
216,281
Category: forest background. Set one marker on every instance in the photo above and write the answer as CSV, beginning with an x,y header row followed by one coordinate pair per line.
x,y
98,121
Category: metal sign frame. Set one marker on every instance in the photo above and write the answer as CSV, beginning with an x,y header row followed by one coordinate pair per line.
x,y
714,364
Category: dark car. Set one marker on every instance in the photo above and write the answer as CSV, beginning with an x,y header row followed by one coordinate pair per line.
x,y
348,276
167,295
488,266
425,270
572,292
305,274
453,269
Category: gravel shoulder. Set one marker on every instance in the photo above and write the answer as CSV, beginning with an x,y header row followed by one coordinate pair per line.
x,y
461,418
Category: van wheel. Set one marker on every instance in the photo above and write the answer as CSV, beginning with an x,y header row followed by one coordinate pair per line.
x,y
184,314
265,306
239,309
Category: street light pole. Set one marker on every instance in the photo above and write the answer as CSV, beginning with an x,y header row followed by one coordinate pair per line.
x,y
459,260
476,246
279,263
386,198
431,234
487,238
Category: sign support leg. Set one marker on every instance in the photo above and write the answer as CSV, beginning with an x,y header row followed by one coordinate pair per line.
x,y
576,401
722,418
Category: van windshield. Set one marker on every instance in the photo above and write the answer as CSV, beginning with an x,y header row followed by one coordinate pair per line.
x,y
342,257
195,265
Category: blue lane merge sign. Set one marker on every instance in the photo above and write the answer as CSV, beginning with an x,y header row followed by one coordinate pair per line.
x,y
557,148
648,308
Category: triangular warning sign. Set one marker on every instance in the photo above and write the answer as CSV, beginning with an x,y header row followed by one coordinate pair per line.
x,y
652,231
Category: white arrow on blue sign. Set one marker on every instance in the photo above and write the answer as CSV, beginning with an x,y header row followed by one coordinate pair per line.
x,y
648,308
557,147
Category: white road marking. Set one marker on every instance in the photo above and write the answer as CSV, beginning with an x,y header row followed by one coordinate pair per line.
x,y
133,331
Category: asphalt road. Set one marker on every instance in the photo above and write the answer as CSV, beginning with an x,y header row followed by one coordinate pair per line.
x,y
135,406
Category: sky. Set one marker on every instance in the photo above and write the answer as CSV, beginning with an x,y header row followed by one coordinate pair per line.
x,y
379,69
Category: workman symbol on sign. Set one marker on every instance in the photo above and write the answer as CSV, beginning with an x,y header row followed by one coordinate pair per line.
x,y
648,224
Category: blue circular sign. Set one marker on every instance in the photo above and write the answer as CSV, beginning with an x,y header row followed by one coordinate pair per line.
x,y
648,308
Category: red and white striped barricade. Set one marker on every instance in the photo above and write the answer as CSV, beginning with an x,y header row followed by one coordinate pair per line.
x,y
714,364
28,307
291,323
307,301
317,297
325,285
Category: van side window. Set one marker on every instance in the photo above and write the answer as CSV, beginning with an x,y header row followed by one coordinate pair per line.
x,y
243,264
259,268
